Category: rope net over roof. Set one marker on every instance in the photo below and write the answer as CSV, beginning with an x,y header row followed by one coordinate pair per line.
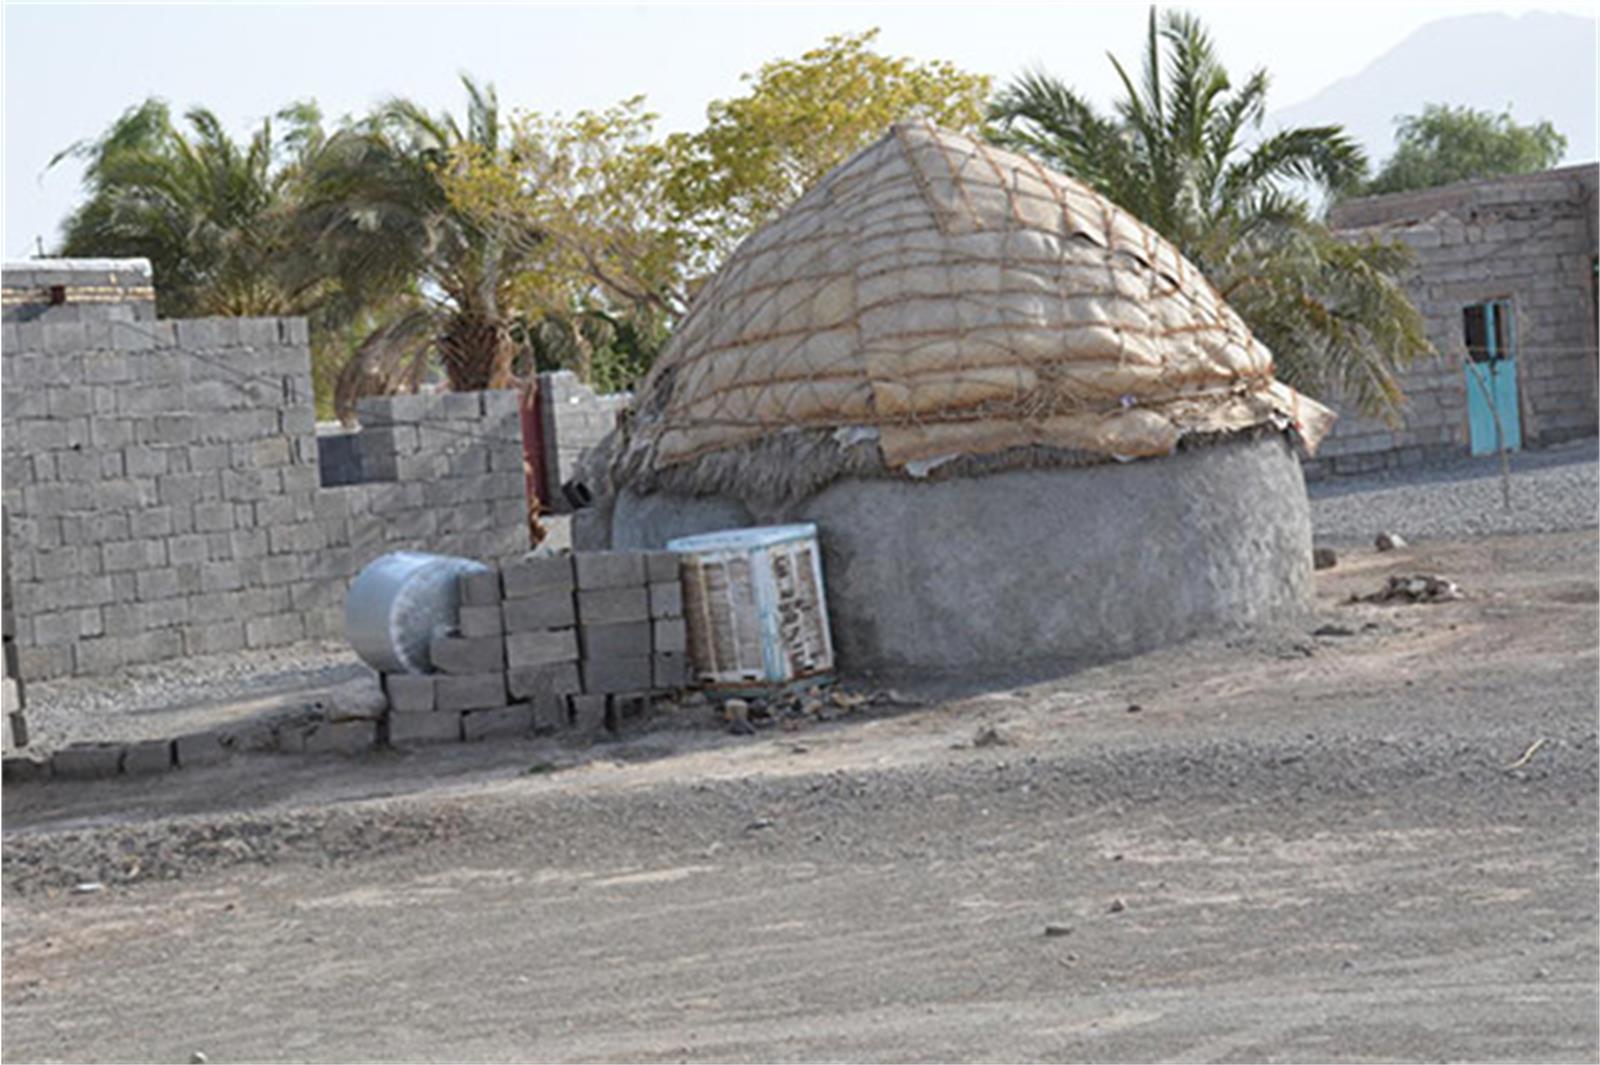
x,y
958,300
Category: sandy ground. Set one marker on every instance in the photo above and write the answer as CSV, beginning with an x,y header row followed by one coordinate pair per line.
x,y
1340,847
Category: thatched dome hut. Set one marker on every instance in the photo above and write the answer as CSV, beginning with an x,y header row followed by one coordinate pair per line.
x,y
949,358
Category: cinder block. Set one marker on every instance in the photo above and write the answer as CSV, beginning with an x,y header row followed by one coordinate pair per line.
x,y
524,649
553,609
549,713
476,622
410,729
341,737
87,761
670,671
661,566
537,575
462,655
480,589
666,600
514,720
477,691
669,634
148,756
604,606
21,769
198,749
589,714
628,639
609,569
610,675
537,681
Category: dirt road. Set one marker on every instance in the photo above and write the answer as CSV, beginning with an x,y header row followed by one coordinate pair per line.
x,y
1370,846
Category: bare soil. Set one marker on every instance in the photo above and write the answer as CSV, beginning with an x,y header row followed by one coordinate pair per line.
x,y
1380,845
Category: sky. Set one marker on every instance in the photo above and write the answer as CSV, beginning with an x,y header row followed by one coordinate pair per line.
x,y
70,70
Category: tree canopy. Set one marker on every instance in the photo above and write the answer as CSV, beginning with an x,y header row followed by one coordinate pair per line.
x,y
801,118
214,217
1445,144
1181,150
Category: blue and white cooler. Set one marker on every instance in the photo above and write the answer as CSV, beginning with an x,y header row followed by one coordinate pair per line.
x,y
756,613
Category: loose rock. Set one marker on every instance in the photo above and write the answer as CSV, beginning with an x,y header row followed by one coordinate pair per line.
x,y
1117,905
1323,558
990,737
1416,588
1054,930
1388,541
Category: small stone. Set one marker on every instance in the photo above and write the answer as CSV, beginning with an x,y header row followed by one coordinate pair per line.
x,y
741,727
1053,930
990,737
198,1058
1388,541
758,824
1134,708
1117,905
88,887
1333,630
1323,558
1541,974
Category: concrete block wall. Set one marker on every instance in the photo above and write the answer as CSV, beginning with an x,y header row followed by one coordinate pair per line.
x,y
77,290
161,491
1529,239
575,420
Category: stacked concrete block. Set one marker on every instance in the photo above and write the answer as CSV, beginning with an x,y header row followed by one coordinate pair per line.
x,y
539,617
614,621
161,480
547,643
669,643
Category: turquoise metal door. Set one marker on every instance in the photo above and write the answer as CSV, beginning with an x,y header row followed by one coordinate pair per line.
x,y
1491,378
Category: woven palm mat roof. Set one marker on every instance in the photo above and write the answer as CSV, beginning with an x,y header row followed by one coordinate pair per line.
x,y
951,299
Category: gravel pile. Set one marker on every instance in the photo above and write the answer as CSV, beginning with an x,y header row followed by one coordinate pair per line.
x,y
1553,490
165,699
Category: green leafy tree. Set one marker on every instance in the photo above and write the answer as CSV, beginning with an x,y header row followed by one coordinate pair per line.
x,y
1179,150
801,118
1445,144
604,275
381,222
214,217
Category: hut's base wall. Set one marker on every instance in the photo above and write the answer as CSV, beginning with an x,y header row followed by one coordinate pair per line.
x,y
1016,570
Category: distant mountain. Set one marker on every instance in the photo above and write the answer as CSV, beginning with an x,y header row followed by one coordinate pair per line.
x,y
1542,65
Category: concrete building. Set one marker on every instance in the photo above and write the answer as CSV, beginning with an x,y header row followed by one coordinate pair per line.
x,y
1505,278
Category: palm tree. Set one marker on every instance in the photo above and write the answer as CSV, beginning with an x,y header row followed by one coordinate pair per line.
x,y
1174,152
214,217
379,214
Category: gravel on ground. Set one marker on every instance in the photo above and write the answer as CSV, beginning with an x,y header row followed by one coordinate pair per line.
x,y
1375,844
1552,490
159,700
